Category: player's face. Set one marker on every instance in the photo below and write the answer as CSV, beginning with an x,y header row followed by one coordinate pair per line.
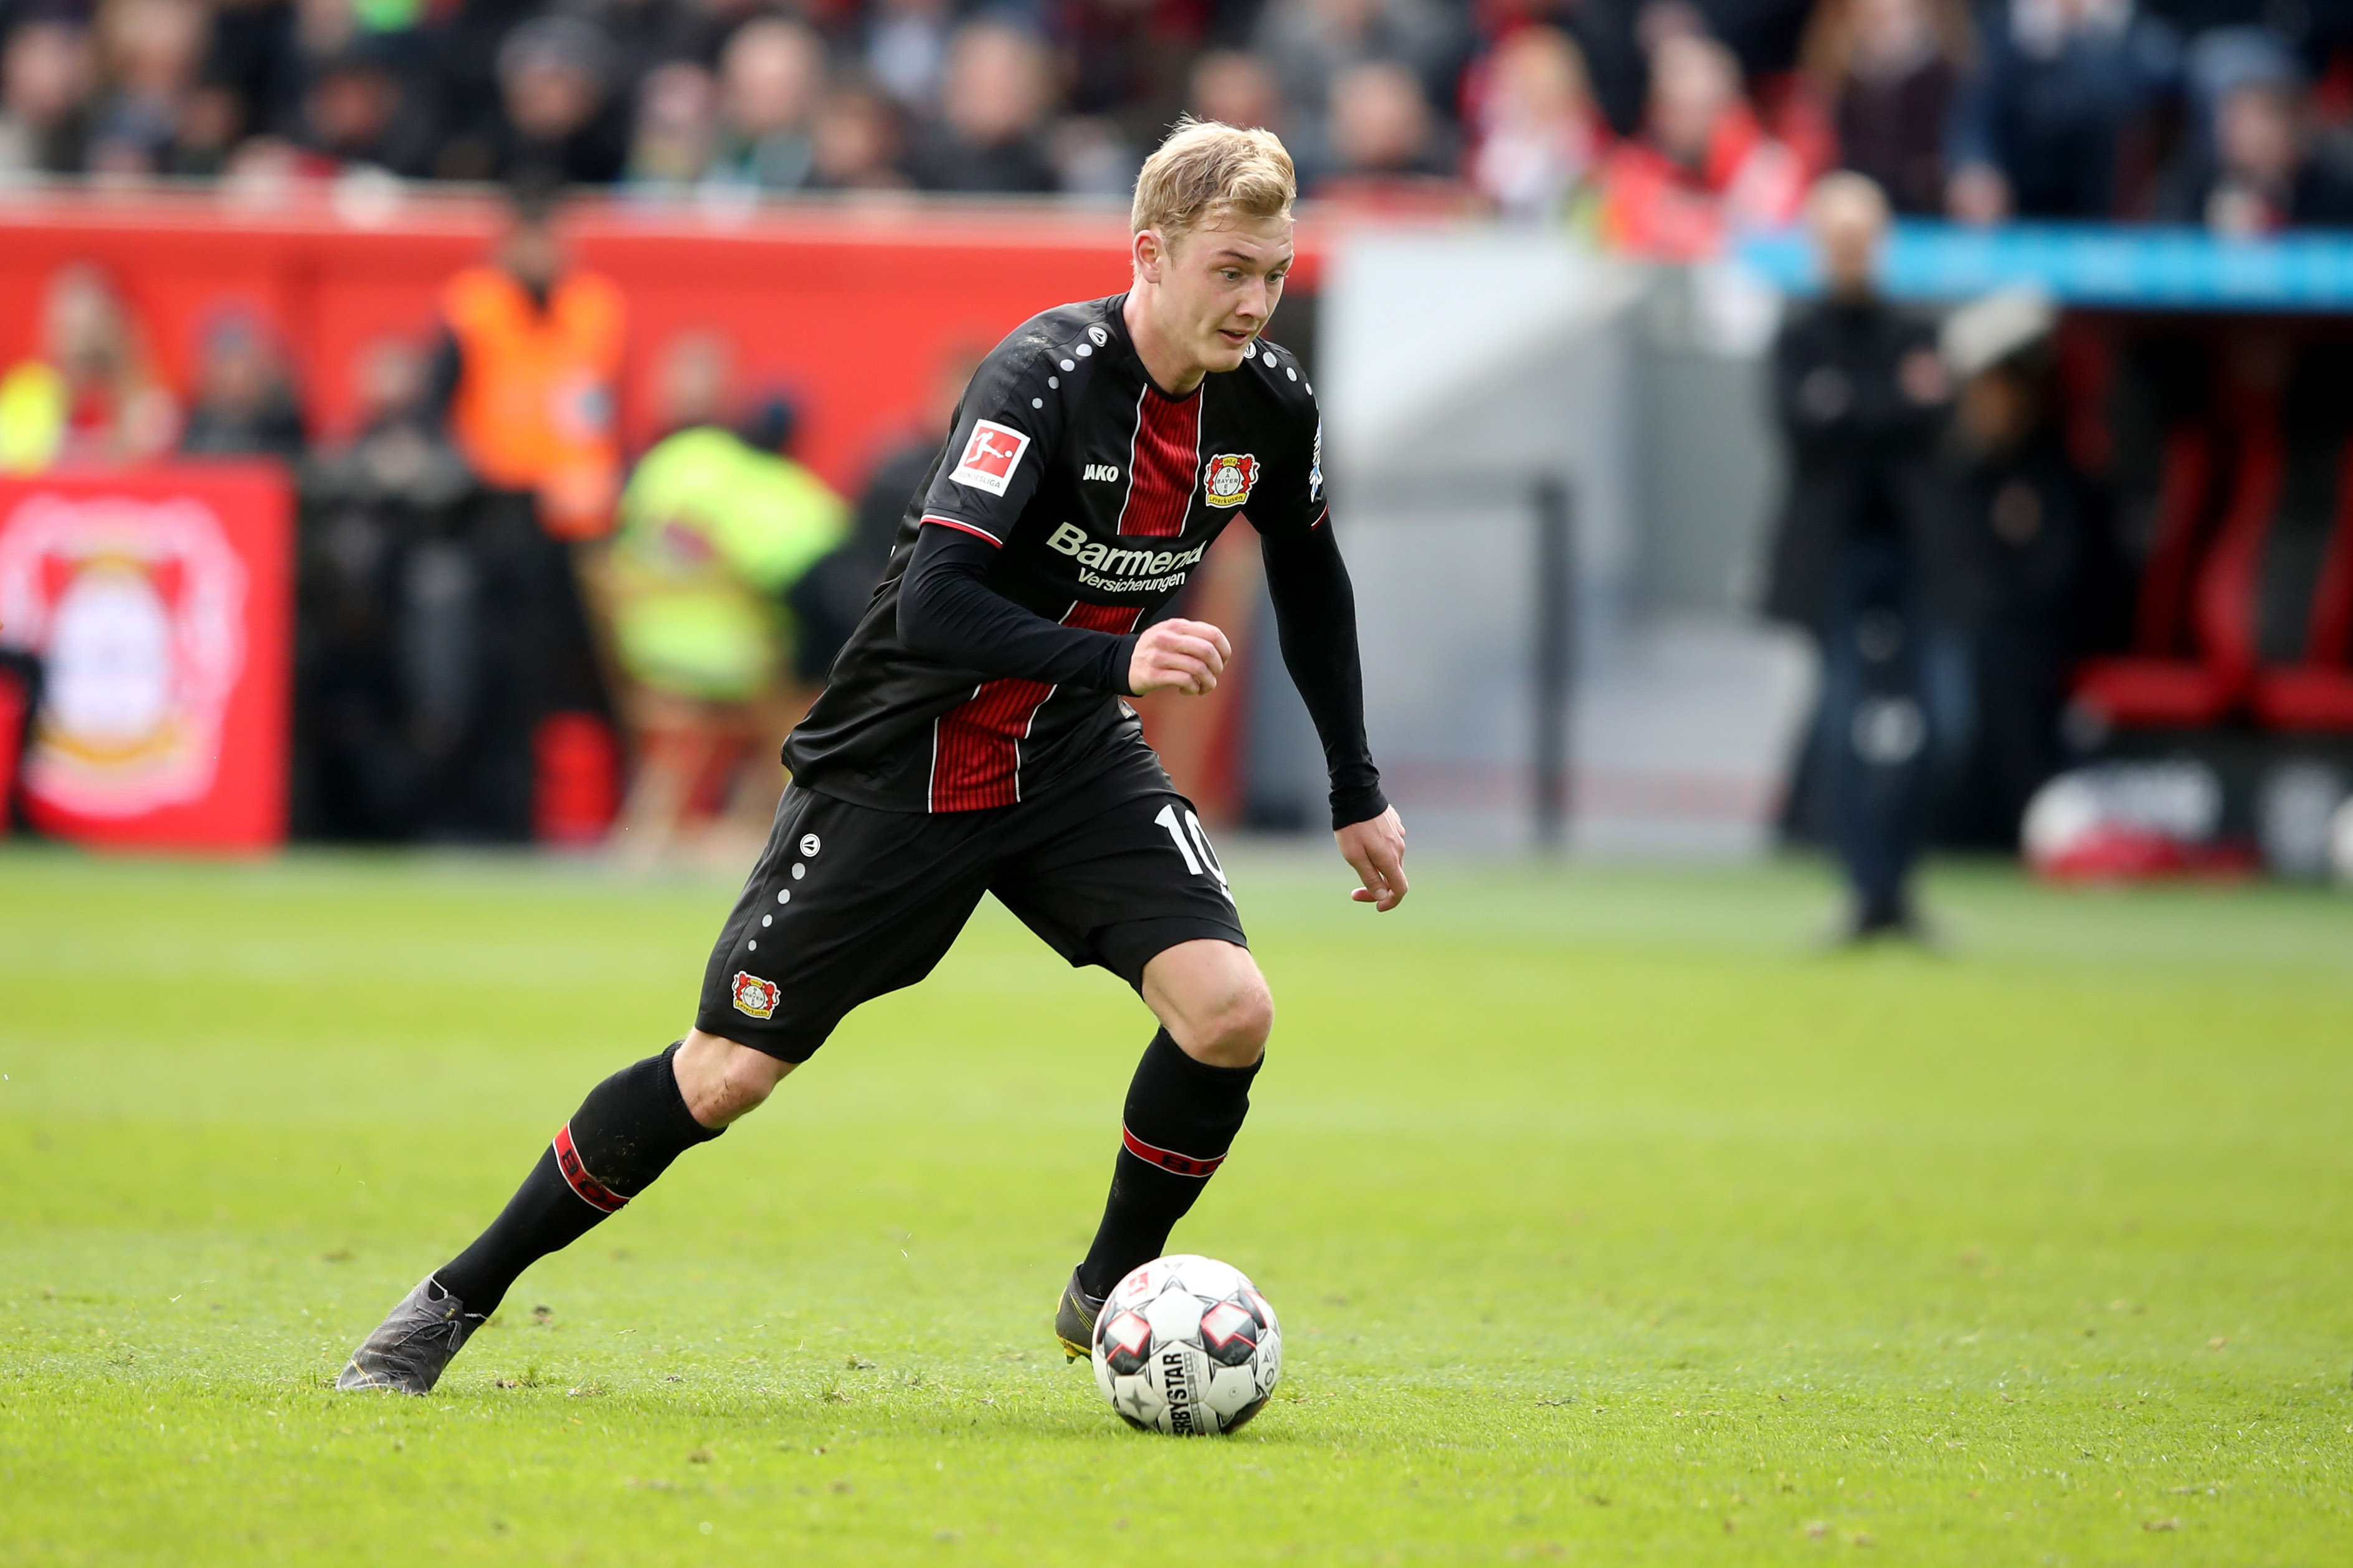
x,y
1220,284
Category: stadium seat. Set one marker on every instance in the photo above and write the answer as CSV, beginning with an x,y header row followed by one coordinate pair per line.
x,y
2192,649
2315,693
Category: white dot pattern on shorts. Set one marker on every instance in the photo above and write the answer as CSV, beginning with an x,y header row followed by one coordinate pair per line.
x,y
798,872
1085,349
783,895
767,921
1053,381
755,944
1070,364
1040,403
1294,375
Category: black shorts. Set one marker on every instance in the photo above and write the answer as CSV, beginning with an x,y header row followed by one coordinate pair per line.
x,y
849,902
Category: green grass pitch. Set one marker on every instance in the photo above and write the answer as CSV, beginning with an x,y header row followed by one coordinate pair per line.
x,y
1610,1221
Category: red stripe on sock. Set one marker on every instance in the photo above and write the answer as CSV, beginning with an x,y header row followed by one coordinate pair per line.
x,y
1169,1159
593,1193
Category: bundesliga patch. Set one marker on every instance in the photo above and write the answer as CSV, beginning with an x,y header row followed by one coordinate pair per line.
x,y
754,995
1230,477
990,457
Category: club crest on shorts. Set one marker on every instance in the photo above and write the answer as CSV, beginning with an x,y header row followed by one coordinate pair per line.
x,y
754,995
1230,478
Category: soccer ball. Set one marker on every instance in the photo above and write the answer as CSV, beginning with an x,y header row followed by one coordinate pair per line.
x,y
1186,1345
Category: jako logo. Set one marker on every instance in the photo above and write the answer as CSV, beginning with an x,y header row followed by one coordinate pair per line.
x,y
1107,472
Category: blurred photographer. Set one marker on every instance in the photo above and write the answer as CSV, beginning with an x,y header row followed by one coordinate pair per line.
x,y
2041,568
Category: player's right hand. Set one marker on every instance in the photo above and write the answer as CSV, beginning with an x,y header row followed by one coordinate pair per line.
x,y
1185,656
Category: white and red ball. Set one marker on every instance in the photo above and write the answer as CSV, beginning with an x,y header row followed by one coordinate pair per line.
x,y
1186,1345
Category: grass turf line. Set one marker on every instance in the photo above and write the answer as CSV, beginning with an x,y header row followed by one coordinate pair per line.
x,y
1606,1219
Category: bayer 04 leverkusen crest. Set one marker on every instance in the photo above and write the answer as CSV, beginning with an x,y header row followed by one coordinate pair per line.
x,y
1230,478
754,995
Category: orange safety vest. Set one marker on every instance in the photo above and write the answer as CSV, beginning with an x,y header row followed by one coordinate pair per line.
x,y
534,405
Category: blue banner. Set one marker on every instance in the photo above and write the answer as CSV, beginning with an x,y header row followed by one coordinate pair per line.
x,y
2090,264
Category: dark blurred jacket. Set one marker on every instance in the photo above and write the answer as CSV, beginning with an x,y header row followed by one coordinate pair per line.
x,y
2039,543
2321,197
2052,116
1860,454
274,429
1893,128
939,160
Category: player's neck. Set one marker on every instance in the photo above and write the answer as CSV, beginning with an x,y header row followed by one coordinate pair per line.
x,y
1171,370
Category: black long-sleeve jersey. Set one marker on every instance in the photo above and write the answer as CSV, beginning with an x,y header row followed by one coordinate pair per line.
x,y
1070,503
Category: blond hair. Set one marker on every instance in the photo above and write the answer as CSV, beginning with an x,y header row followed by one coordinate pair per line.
x,y
1207,171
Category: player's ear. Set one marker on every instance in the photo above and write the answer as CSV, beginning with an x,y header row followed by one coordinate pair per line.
x,y
1149,254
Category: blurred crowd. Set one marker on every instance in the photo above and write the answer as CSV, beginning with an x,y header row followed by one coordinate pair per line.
x,y
1656,124
496,600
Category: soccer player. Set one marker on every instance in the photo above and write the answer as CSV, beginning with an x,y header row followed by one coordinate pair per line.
x,y
971,740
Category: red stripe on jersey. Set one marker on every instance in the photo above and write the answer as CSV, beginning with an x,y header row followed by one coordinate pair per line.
x,y
977,745
593,1193
1163,465
963,527
1169,1159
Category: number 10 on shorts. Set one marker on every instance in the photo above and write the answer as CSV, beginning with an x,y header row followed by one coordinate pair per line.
x,y
1207,859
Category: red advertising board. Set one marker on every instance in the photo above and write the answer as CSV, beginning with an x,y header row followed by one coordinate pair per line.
x,y
160,604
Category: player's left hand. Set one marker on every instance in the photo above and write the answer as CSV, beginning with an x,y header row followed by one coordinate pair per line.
x,y
1375,849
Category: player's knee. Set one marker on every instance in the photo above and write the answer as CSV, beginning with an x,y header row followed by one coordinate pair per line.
x,y
1233,1032
721,1080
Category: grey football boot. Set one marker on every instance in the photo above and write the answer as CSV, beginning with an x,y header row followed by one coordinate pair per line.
x,y
410,1348
1074,1321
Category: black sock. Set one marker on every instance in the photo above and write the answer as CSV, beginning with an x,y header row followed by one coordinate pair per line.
x,y
1181,1117
625,1134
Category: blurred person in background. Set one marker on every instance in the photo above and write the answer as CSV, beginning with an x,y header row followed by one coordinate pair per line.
x,y
833,596
857,141
390,686
46,78
677,131
527,376
647,34
1384,143
151,50
1539,130
1604,33
243,405
93,395
1090,157
361,110
717,525
465,46
1703,167
989,135
2262,166
559,122
2036,559
1764,35
252,54
1310,43
906,49
771,79
1233,87
1888,70
1860,393
2040,129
